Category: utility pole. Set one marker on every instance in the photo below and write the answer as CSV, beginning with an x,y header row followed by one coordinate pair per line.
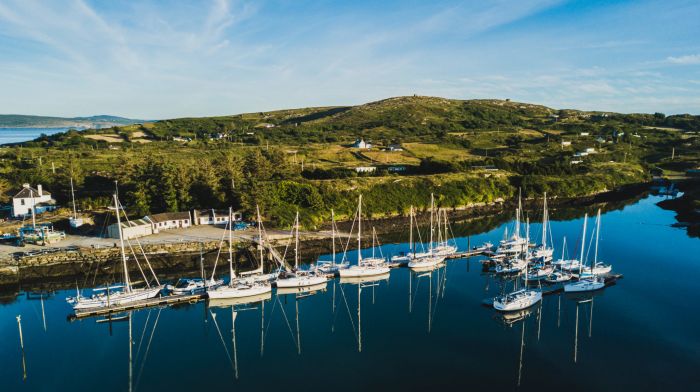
x,y
673,153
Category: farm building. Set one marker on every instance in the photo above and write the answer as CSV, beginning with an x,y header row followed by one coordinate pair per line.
x,y
213,217
131,229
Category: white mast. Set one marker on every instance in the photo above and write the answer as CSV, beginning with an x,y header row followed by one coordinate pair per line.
x,y
597,234
544,223
230,247
432,207
72,193
359,230
260,238
583,241
517,214
296,242
410,237
127,283
333,234
527,241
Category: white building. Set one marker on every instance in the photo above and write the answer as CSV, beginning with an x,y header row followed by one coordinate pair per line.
x,y
565,143
395,147
213,217
585,133
28,198
590,150
169,220
360,143
131,229
366,169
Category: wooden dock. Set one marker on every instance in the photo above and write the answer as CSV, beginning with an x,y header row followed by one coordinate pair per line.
x,y
465,254
146,303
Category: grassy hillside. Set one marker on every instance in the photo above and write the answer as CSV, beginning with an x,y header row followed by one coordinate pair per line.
x,y
466,151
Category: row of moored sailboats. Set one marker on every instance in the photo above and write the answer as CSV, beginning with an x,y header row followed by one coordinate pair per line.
x,y
283,276
534,263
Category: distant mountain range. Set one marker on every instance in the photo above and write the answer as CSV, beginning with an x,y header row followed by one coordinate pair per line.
x,y
25,121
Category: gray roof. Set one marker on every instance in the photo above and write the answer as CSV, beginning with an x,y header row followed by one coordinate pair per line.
x,y
27,193
168,216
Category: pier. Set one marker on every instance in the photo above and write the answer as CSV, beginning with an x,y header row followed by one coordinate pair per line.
x,y
146,303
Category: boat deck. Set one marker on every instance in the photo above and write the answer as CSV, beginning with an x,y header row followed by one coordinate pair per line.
x,y
146,303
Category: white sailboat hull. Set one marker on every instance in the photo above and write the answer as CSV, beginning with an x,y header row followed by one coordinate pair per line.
x,y
364,279
240,291
301,281
518,300
116,299
356,271
583,286
425,262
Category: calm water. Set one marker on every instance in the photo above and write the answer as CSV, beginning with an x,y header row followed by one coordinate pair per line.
x,y
414,332
17,135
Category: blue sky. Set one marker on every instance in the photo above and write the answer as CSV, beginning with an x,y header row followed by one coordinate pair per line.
x,y
164,59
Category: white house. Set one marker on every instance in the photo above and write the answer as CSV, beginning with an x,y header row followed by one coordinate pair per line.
x,y
581,154
585,133
565,143
395,147
360,143
213,217
131,229
366,169
590,150
169,220
28,198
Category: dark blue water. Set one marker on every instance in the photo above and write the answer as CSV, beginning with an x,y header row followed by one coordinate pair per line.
x,y
17,135
415,332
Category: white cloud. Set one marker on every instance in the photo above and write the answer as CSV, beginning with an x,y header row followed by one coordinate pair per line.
x,y
684,60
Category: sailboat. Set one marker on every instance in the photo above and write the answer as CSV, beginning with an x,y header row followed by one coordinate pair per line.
x,y
444,248
363,267
518,262
516,244
519,299
559,276
405,257
597,268
238,288
74,221
432,258
331,267
195,285
298,277
118,294
258,275
591,282
543,252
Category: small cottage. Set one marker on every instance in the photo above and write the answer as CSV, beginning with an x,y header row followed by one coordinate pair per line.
x,y
213,217
360,143
169,220
28,198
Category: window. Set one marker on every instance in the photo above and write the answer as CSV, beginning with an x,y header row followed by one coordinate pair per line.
x,y
22,200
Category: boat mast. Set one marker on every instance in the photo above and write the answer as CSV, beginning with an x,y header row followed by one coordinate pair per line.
x,y
583,242
544,223
517,214
374,240
359,230
432,208
296,242
127,283
527,242
72,193
333,233
597,234
230,247
410,237
260,237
